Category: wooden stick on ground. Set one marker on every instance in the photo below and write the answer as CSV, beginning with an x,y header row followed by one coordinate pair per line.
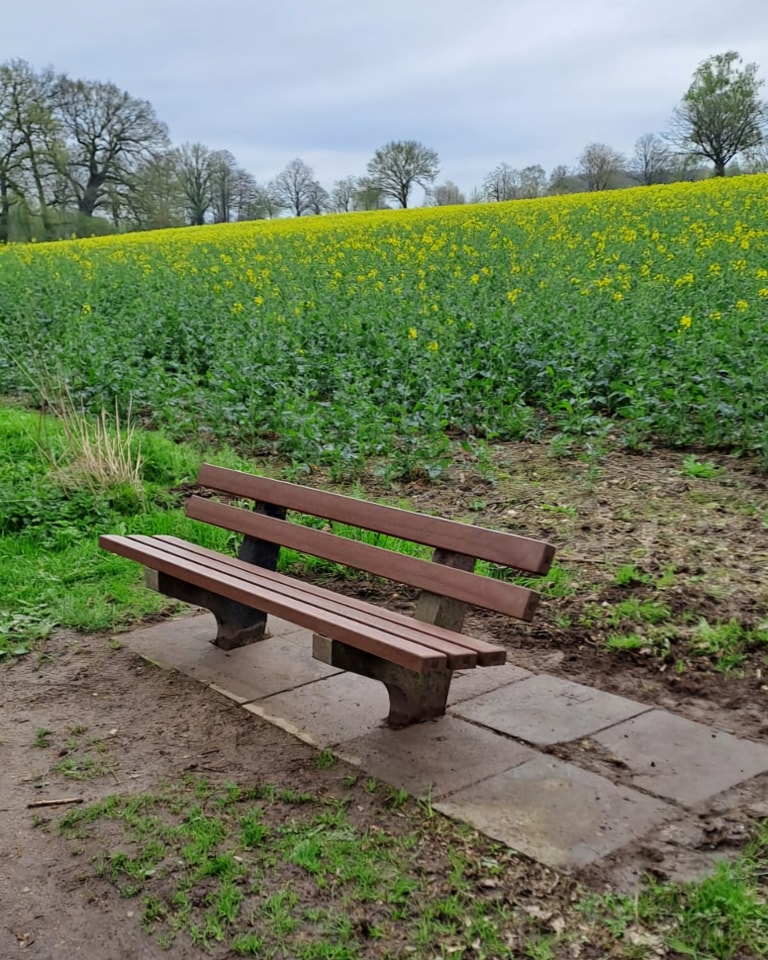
x,y
54,803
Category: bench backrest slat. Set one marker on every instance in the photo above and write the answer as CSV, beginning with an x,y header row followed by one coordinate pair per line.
x,y
520,553
437,578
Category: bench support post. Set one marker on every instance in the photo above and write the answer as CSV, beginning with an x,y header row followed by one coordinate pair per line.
x,y
237,624
444,611
413,696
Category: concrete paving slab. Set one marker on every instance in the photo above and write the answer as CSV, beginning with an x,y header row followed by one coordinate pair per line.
x,y
545,710
329,711
472,683
279,663
434,758
556,813
682,760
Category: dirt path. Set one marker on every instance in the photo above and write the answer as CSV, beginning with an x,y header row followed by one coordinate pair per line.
x,y
127,726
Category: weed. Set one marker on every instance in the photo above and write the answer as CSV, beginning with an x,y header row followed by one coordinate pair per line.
x,y
727,644
396,798
42,738
565,509
695,468
639,611
325,759
247,945
83,768
628,575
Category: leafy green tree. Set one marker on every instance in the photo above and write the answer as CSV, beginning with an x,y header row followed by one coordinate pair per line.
x,y
721,114
368,195
400,164
157,199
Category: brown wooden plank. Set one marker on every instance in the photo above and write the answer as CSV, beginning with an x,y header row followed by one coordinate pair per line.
x,y
510,550
496,595
471,650
458,657
334,623
488,654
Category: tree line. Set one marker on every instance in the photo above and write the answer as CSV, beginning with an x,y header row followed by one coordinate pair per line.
x,y
85,157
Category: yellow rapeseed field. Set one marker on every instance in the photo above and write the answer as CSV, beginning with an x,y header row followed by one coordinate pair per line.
x,y
642,311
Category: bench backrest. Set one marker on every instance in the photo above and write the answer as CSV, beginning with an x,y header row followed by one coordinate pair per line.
x,y
446,536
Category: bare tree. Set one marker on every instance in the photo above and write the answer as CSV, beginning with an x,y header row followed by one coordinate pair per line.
x,y
343,194
244,197
651,161
756,159
267,203
294,187
195,175
502,183
11,166
222,184
108,133
601,166
400,164
721,114
28,125
447,194
318,199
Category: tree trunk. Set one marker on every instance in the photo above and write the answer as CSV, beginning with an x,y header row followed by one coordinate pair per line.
x,y
5,210
90,198
719,168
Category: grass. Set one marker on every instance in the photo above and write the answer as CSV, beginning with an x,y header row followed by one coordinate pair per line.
x,y
260,873
722,917
54,504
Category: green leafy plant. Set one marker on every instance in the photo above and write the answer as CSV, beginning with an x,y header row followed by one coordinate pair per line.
x,y
698,469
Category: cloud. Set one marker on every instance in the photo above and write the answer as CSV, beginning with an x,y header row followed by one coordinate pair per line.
x,y
521,81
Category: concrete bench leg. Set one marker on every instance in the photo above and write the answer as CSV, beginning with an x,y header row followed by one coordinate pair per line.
x,y
237,625
413,697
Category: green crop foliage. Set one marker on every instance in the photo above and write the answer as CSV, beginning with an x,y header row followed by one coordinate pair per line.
x,y
331,340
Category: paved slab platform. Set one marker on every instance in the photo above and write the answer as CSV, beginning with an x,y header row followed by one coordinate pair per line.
x,y
328,711
471,683
248,673
682,760
435,758
555,812
545,710
471,761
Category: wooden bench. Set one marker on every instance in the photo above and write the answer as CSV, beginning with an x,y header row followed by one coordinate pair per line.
x,y
413,656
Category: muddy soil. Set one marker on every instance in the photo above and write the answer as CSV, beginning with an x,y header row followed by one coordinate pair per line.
x,y
699,544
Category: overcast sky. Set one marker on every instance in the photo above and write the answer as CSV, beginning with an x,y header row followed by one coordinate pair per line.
x,y
480,81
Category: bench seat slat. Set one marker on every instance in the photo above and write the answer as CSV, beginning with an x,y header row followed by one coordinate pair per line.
x,y
511,550
437,578
458,657
438,638
331,621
